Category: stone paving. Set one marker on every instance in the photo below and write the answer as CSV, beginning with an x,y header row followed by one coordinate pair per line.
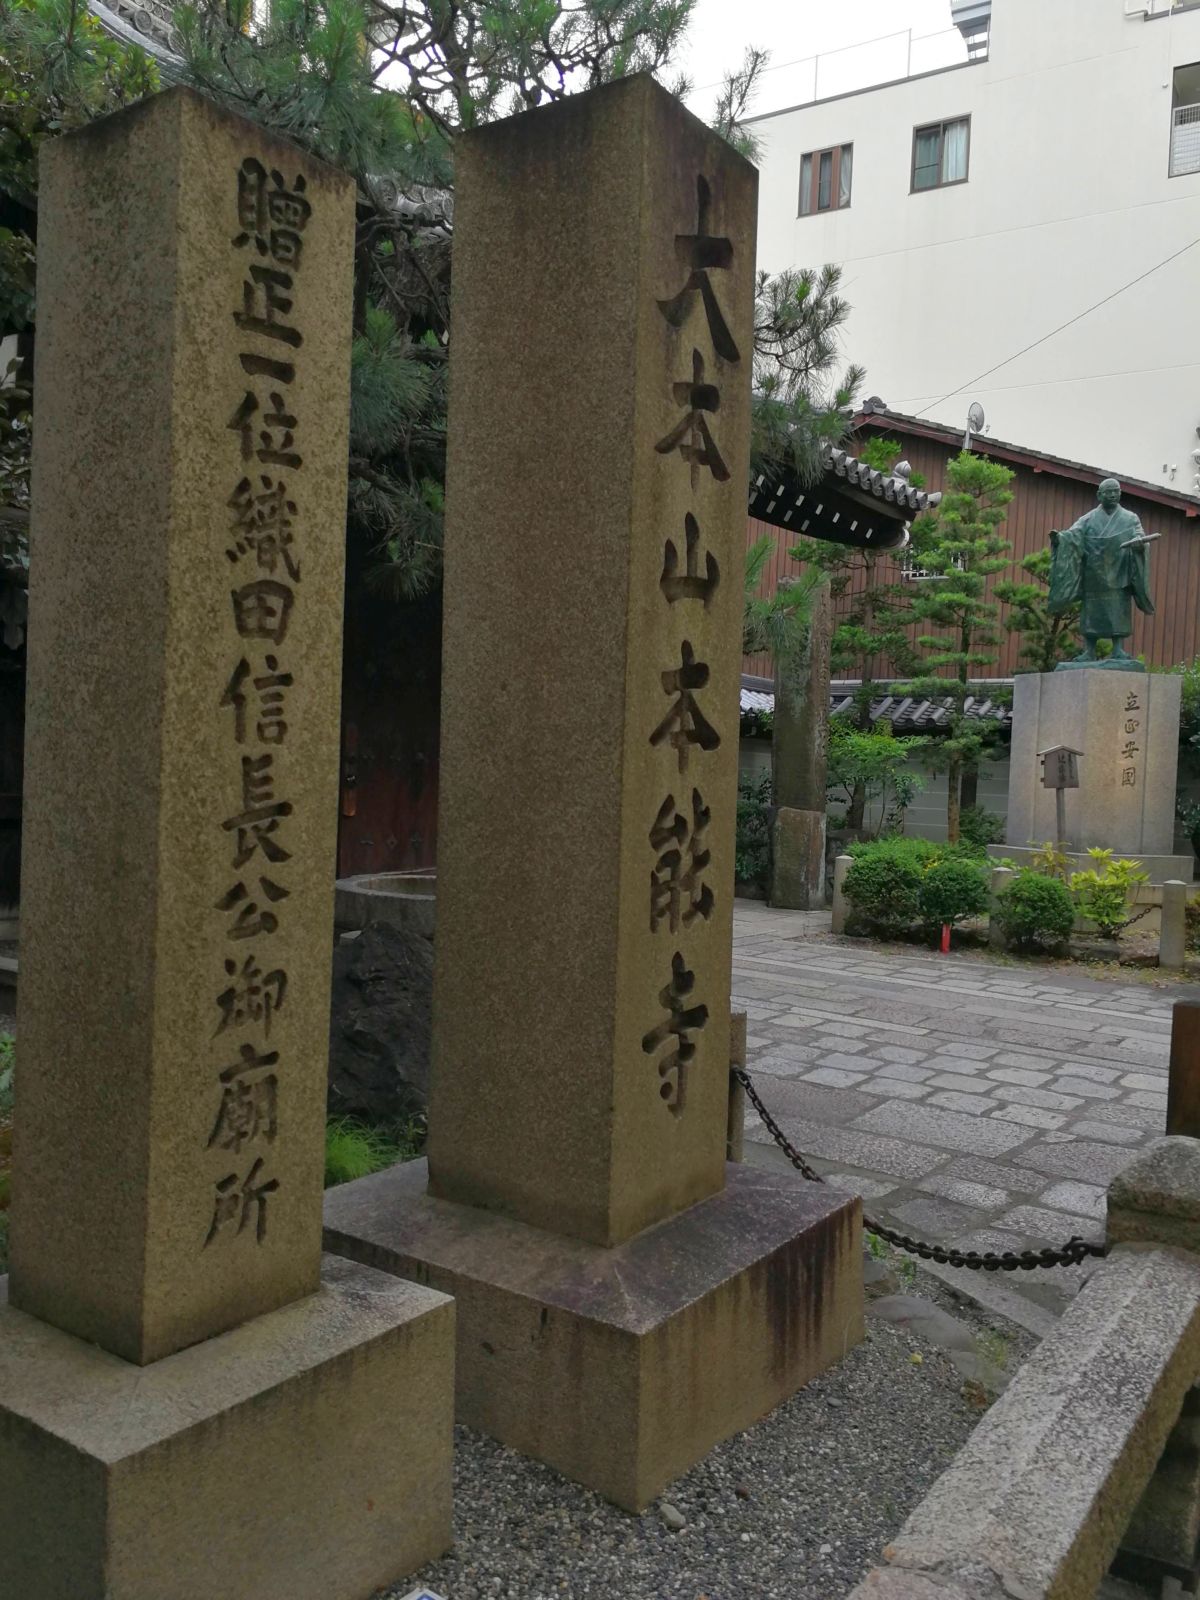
x,y
968,1099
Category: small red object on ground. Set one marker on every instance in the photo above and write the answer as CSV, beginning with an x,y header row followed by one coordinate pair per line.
x,y
945,938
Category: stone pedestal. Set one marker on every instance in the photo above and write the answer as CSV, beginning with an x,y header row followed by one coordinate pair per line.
x,y
622,1309
186,1407
303,1456
622,1367
798,860
1127,726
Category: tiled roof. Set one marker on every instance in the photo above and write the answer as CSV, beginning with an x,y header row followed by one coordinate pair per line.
x,y
906,714
893,486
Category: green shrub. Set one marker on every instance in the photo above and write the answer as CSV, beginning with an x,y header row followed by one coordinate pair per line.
x,y
1035,912
884,889
1102,892
980,827
1191,919
952,890
752,845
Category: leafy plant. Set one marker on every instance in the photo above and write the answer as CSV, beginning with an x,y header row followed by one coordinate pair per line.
x,y
355,1150
884,890
752,843
979,826
1035,912
1051,861
877,764
1102,892
952,890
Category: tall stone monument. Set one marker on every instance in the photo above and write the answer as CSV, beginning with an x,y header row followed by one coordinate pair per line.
x,y
1126,726
625,1299
800,764
1121,722
189,1403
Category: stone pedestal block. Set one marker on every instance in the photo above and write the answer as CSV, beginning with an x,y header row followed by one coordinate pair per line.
x,y
798,869
303,1456
622,1367
1126,725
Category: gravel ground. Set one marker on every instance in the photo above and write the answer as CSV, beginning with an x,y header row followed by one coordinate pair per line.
x,y
798,1507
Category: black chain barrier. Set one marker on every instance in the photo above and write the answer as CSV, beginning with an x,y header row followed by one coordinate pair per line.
x,y
1067,1255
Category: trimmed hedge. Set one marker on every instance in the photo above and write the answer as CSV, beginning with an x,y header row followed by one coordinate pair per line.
x,y
1035,912
898,884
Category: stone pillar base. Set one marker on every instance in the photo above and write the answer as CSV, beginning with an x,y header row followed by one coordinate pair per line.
x,y
623,1367
305,1455
798,860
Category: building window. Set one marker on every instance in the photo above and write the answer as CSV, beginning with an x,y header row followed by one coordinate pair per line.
x,y
825,179
1185,121
940,153
912,572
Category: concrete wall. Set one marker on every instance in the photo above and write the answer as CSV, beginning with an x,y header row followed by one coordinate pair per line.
x,y
926,817
1068,199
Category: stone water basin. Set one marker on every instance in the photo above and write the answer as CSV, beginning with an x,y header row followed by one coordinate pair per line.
x,y
405,899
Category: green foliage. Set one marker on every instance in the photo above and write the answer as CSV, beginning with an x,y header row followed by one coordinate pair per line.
x,y
951,891
879,764
879,453
355,1150
389,114
778,623
1035,912
752,843
896,884
1102,892
979,826
798,399
884,890
1046,639
1191,919
1051,861
959,543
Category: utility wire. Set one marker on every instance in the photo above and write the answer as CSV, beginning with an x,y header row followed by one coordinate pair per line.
x,y
1008,360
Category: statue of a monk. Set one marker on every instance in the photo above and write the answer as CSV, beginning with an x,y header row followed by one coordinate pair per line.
x,y
1101,563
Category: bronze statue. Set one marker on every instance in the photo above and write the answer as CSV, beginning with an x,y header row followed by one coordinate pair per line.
x,y
1101,563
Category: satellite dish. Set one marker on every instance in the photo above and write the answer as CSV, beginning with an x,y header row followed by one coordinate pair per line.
x,y
975,422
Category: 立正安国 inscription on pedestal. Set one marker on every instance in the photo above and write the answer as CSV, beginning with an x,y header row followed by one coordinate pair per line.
x,y
182,729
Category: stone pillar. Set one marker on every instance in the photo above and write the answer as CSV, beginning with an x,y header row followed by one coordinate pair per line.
x,y
735,1137
599,432
841,906
1127,725
1001,878
1172,937
189,478
799,744
1156,1201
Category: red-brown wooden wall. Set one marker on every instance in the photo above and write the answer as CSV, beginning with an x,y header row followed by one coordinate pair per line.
x,y
1043,500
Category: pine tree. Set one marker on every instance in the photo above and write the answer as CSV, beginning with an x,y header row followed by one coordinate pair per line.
x,y
871,625
960,546
381,91
1046,638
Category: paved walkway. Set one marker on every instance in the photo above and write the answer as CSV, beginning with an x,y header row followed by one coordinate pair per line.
x,y
967,1099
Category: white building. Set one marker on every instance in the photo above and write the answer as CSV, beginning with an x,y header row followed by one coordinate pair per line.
x,y
1022,229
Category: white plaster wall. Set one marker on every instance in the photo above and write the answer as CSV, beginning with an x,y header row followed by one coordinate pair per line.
x,y
1068,198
